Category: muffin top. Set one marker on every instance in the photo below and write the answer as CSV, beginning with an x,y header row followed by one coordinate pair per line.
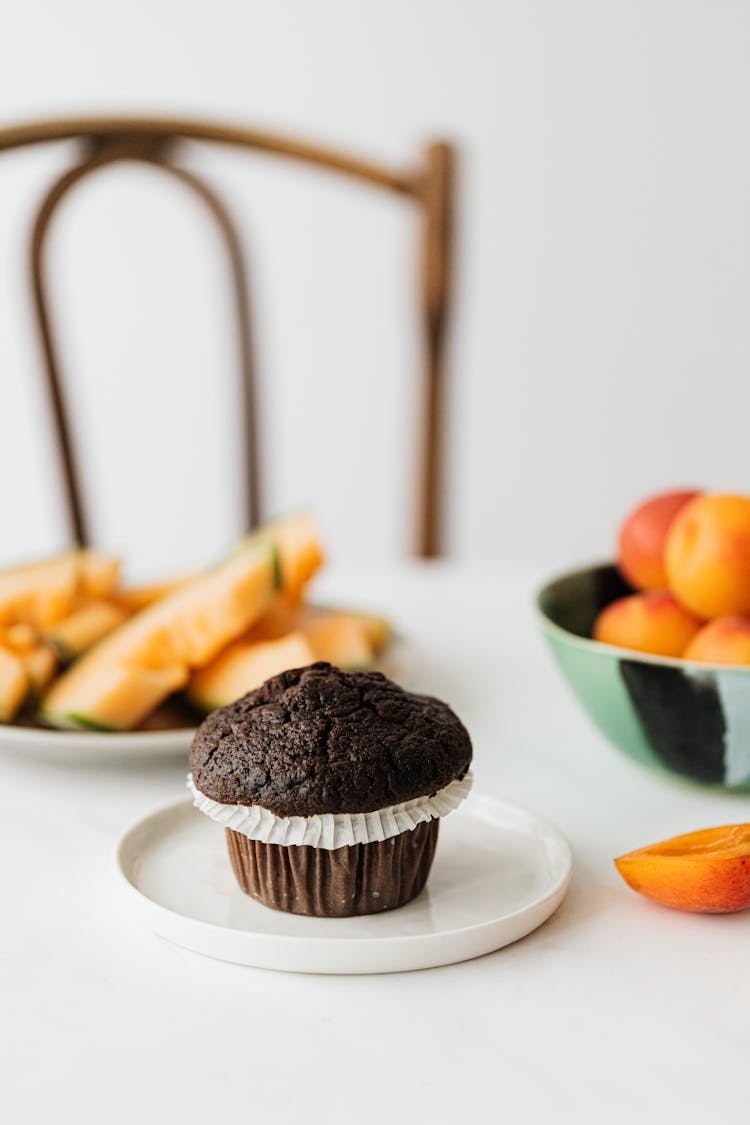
x,y
318,740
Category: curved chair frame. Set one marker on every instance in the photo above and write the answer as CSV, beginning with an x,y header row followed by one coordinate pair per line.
x,y
155,141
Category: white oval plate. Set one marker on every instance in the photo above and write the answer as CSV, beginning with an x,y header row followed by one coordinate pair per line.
x,y
499,872
93,747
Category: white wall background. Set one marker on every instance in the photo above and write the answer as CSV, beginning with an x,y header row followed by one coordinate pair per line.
x,y
601,345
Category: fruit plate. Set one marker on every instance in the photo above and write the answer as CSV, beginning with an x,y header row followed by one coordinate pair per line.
x,y
499,872
94,747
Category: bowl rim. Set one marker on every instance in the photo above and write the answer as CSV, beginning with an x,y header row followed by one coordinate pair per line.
x,y
591,645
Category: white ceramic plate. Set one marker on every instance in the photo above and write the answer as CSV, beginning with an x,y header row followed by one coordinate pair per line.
x,y
92,747
499,872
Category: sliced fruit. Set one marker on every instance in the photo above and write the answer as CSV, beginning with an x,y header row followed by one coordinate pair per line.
x,y
245,665
41,662
340,638
19,638
377,630
300,551
271,646
281,617
83,628
117,697
99,574
14,684
284,617
706,871
108,687
40,593
136,598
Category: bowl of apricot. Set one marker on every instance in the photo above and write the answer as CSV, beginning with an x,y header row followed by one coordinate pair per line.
x,y
656,645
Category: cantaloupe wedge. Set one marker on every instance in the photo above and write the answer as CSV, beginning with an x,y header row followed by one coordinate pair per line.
x,y
244,666
340,639
379,629
14,684
136,598
300,551
42,593
19,638
342,629
121,679
76,633
40,662
117,697
284,617
349,640
99,574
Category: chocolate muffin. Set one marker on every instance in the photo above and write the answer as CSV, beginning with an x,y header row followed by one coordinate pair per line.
x,y
331,786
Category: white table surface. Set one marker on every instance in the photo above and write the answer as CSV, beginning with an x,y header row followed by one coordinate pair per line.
x,y
616,1010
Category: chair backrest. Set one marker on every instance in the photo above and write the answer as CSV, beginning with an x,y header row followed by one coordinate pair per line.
x,y
428,186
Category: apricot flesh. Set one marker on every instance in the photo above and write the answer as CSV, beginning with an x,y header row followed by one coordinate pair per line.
x,y
653,622
643,538
706,872
707,556
726,640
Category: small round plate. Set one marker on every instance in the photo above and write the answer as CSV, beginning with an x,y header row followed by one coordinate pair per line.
x,y
95,748
499,872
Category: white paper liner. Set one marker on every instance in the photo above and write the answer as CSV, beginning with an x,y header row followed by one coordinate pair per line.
x,y
332,830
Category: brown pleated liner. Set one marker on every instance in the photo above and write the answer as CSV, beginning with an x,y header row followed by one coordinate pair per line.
x,y
359,879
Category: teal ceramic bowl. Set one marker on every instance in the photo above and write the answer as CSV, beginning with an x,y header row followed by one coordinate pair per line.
x,y
678,716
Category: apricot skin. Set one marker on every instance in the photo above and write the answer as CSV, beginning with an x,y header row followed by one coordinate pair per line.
x,y
653,622
643,537
707,556
706,872
723,641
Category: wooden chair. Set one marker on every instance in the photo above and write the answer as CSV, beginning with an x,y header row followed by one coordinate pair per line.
x,y
428,186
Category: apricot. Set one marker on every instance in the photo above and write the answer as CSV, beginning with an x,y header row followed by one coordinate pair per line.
x,y
726,640
707,556
707,871
643,537
653,622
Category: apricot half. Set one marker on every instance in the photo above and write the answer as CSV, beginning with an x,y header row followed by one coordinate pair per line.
x,y
707,872
707,555
643,537
653,622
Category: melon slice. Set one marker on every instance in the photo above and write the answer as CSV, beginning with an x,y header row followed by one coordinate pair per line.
x,y
136,598
42,593
19,638
99,574
41,663
284,617
119,681
14,684
83,628
340,639
280,618
245,665
118,697
377,630
300,551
